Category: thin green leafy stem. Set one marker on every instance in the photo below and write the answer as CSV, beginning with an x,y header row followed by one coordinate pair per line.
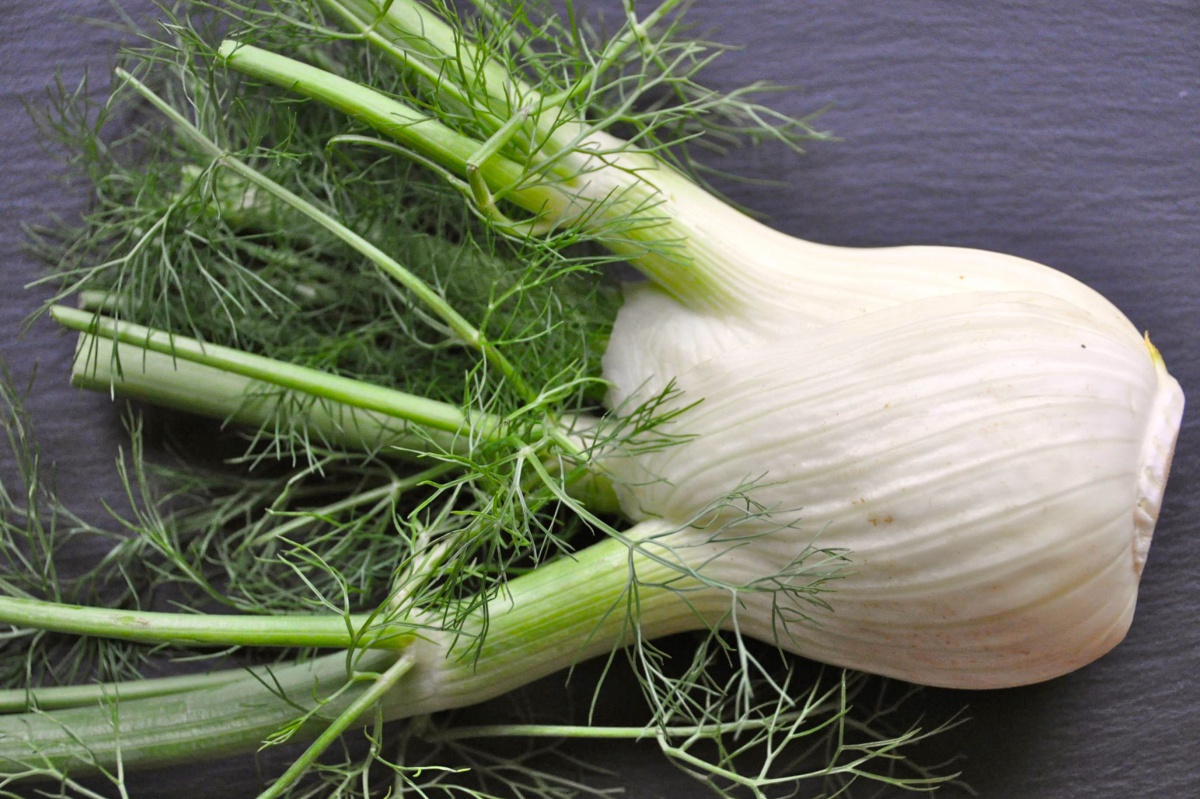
x,y
461,327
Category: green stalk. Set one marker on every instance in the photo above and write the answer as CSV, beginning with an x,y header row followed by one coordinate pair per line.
x,y
416,39
58,697
343,391
397,125
133,371
641,208
262,393
390,33
568,611
388,116
230,718
684,239
558,615
137,373
361,704
206,629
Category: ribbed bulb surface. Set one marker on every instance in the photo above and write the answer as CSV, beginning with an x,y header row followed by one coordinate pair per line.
x,y
989,447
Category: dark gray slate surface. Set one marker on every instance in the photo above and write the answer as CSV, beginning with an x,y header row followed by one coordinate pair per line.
x,y
1062,132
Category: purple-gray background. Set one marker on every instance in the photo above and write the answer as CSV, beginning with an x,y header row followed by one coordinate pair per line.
x,y
1063,132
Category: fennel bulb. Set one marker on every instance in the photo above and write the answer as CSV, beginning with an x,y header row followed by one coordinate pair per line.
x,y
994,463
989,438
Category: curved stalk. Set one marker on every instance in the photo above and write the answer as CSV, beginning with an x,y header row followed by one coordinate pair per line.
x,y
635,204
393,118
383,113
415,39
557,615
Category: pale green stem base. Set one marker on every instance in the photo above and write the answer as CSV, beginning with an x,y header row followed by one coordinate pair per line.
x,y
59,697
172,382
561,614
683,238
332,388
193,725
154,367
556,616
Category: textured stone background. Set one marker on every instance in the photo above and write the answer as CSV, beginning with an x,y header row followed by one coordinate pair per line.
x,y
1062,132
